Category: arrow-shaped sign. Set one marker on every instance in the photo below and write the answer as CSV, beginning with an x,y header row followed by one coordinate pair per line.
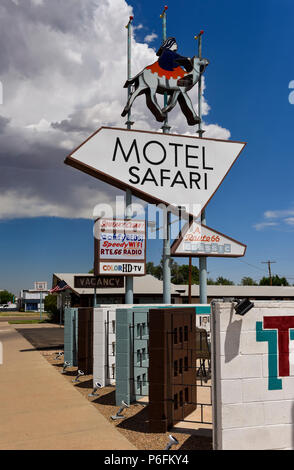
x,y
199,240
175,170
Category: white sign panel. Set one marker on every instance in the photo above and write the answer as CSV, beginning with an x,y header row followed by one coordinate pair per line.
x,y
40,285
160,168
120,247
200,240
123,269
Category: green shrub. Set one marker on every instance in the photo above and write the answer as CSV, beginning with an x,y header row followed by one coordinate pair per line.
x,y
50,306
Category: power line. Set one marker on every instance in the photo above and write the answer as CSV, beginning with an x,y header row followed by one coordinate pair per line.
x,y
252,265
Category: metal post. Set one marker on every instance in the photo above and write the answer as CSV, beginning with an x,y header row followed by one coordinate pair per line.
x,y
202,259
129,290
190,281
95,297
165,128
166,272
61,307
129,294
41,300
129,122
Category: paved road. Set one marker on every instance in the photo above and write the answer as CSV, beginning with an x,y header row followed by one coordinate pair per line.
x,y
41,336
40,410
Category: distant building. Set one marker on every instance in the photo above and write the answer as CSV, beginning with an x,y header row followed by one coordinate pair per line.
x,y
30,300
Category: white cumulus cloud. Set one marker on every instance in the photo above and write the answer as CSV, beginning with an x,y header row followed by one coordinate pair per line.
x,y
63,71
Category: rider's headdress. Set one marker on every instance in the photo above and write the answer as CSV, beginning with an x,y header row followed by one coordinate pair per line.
x,y
167,44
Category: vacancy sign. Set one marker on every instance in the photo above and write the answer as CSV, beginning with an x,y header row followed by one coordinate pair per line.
x,y
175,170
200,240
120,247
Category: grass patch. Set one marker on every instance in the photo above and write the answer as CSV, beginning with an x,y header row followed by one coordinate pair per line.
x,y
22,314
26,322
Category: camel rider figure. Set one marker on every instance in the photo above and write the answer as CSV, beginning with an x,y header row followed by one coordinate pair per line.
x,y
170,63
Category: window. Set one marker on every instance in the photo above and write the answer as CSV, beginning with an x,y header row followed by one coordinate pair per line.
x,y
180,366
176,401
175,336
175,368
180,335
181,398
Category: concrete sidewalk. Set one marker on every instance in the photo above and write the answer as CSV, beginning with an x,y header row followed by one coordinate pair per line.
x,y
39,409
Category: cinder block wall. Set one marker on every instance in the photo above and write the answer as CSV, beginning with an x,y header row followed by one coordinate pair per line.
x,y
131,340
71,336
253,374
104,346
132,373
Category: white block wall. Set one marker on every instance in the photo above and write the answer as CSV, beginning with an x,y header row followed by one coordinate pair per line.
x,y
248,415
104,345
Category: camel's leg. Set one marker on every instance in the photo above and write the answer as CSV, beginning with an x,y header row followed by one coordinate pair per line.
x,y
141,88
172,102
153,105
188,110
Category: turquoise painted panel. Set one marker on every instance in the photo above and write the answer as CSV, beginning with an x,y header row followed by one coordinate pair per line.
x,y
271,336
71,336
203,309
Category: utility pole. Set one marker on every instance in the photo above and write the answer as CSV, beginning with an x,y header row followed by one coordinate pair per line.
x,y
269,262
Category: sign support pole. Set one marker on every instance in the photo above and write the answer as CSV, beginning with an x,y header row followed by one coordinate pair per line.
x,y
166,272
202,259
129,289
41,301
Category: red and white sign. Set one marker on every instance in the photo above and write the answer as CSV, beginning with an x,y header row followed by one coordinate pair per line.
x,y
120,247
199,240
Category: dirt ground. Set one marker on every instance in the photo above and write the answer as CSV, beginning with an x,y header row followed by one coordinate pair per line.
x,y
135,424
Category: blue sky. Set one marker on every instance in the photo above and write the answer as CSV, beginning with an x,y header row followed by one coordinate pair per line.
x,y
249,45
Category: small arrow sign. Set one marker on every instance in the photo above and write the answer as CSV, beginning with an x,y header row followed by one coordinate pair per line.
x,y
175,170
199,240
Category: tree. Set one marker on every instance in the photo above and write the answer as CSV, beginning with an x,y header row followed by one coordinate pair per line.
x,y
5,297
276,281
224,282
248,281
155,271
179,273
50,306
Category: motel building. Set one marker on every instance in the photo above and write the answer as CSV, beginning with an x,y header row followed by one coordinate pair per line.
x,y
148,290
